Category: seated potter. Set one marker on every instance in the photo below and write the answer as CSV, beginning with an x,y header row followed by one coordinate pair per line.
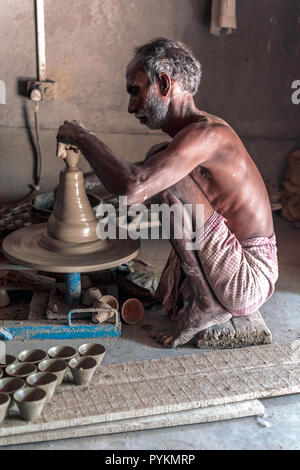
x,y
234,270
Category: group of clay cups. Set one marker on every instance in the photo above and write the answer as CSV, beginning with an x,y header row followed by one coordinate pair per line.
x,y
32,380
132,311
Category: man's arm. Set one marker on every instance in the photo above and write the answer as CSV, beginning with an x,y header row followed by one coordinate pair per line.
x,y
194,144
90,177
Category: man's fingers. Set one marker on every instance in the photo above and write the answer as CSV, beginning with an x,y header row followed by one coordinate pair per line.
x,y
65,138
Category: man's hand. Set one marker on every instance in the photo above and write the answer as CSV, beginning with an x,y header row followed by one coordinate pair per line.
x,y
69,131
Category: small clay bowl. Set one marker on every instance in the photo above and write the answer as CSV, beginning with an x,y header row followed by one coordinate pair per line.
x,y
62,352
110,300
56,366
45,380
83,369
95,350
22,369
132,311
30,402
33,356
9,359
4,405
10,385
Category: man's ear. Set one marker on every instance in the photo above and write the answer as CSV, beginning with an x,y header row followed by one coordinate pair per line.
x,y
165,83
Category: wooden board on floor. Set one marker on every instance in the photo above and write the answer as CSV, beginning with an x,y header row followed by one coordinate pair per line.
x,y
250,330
146,388
201,415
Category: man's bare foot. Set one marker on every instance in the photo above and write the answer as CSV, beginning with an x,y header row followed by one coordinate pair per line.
x,y
180,334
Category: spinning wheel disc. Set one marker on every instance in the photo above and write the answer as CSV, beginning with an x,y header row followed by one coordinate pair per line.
x,y
24,247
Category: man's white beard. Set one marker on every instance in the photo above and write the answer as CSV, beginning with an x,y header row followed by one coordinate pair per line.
x,y
155,110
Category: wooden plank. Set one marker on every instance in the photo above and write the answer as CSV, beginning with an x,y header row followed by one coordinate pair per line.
x,y
197,416
131,390
250,330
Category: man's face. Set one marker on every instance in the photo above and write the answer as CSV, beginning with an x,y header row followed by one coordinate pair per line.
x,y
145,101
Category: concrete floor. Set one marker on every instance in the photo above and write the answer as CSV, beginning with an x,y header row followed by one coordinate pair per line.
x,y
282,315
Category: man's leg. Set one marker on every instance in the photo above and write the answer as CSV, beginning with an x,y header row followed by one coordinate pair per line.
x,y
204,309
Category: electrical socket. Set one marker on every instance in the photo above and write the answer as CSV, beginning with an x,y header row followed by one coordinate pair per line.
x,y
37,91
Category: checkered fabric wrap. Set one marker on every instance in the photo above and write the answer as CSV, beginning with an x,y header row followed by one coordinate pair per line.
x,y
241,274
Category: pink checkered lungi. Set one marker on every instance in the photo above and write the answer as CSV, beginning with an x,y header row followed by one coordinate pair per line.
x,y
242,274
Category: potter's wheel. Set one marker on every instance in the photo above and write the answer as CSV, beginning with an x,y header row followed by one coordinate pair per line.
x,y
25,247
68,243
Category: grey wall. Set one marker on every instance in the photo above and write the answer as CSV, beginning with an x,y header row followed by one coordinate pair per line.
x,y
247,76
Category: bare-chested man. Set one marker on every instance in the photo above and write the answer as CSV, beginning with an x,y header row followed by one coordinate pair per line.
x,y
235,269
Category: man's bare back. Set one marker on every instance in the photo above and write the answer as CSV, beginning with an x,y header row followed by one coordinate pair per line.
x,y
233,185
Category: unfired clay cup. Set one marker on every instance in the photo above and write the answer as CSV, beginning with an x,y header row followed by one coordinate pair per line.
x,y
45,380
132,311
95,350
56,366
30,402
83,369
10,385
22,369
9,359
62,352
34,356
4,404
110,300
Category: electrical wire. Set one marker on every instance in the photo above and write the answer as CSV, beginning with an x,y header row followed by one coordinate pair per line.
x,y
35,186
38,172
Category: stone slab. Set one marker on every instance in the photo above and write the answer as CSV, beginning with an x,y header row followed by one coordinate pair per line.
x,y
250,330
153,387
197,416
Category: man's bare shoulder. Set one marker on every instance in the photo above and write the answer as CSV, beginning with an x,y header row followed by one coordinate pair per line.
x,y
213,125
213,119
205,134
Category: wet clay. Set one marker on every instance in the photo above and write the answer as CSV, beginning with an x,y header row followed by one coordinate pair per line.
x,y
68,242
72,219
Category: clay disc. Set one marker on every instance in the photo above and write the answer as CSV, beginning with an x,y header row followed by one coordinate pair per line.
x,y
23,247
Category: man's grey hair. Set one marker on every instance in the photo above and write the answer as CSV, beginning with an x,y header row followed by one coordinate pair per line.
x,y
164,55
